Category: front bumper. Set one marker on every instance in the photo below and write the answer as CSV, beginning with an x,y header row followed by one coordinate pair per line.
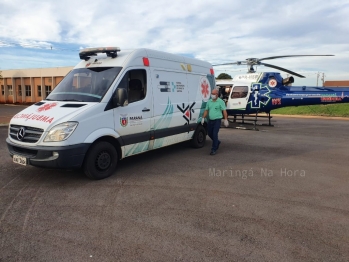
x,y
64,157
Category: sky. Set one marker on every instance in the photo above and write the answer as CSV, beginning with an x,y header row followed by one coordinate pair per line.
x,y
50,33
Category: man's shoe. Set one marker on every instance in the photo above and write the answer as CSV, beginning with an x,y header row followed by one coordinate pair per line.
x,y
213,153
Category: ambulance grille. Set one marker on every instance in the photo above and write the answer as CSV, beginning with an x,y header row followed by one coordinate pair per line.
x,y
31,134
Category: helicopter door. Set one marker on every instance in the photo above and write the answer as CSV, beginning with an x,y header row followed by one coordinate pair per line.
x,y
238,97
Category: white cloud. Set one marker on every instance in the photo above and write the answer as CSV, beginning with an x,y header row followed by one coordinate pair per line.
x,y
216,31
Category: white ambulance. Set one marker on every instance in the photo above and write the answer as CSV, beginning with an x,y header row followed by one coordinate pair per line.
x,y
113,105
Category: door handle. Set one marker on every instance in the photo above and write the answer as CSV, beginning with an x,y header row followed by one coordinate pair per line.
x,y
146,110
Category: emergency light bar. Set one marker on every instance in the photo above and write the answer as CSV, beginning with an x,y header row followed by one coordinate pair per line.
x,y
86,53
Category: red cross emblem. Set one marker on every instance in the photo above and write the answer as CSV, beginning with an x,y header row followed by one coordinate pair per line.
x,y
205,89
272,83
46,107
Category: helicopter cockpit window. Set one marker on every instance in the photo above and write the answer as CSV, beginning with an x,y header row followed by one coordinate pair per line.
x,y
239,92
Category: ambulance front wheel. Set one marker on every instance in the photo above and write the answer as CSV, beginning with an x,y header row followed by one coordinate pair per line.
x,y
199,137
100,161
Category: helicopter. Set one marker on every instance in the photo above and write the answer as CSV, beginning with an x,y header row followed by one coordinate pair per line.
x,y
254,93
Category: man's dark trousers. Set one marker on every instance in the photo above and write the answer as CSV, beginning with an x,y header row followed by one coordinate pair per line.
x,y
213,129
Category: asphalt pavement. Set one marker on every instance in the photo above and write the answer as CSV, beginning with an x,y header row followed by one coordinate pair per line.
x,y
7,111
278,194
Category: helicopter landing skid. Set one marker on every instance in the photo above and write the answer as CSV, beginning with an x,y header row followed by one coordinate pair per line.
x,y
242,119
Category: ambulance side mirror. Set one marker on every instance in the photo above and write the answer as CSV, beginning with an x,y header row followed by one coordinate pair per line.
x,y
120,97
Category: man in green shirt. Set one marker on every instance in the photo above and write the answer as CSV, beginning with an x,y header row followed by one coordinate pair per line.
x,y
215,108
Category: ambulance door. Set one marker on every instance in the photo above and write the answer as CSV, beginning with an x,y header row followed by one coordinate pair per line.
x,y
172,110
132,121
170,99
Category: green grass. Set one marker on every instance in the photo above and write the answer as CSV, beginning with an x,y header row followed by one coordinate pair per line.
x,y
337,110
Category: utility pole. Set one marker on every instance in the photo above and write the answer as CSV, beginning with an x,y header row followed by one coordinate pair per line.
x,y
323,79
317,78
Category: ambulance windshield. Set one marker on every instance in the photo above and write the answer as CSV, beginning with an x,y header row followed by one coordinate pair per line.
x,y
85,84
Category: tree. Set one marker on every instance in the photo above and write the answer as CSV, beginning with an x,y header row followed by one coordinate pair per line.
x,y
224,76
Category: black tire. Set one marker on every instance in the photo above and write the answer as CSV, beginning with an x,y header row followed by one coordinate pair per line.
x,y
199,137
100,161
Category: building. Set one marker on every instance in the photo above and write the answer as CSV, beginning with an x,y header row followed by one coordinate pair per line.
x,y
337,83
26,86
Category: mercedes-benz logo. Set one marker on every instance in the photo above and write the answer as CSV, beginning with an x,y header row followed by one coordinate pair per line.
x,y
21,133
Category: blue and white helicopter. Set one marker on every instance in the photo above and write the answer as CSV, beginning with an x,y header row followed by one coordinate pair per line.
x,y
253,93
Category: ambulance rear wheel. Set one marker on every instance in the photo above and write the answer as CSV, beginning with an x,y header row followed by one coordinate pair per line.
x,y
199,137
100,161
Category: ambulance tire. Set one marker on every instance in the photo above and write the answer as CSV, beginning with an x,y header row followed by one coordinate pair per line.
x,y
100,161
199,137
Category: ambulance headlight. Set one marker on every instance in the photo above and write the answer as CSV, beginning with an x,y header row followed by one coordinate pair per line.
x,y
60,132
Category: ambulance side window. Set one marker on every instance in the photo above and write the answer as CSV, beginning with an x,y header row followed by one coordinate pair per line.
x,y
137,85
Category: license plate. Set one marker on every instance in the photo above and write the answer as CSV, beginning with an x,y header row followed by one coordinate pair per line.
x,y
19,160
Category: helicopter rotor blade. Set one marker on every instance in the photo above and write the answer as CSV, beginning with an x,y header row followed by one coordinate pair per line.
x,y
255,62
233,63
282,69
275,57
